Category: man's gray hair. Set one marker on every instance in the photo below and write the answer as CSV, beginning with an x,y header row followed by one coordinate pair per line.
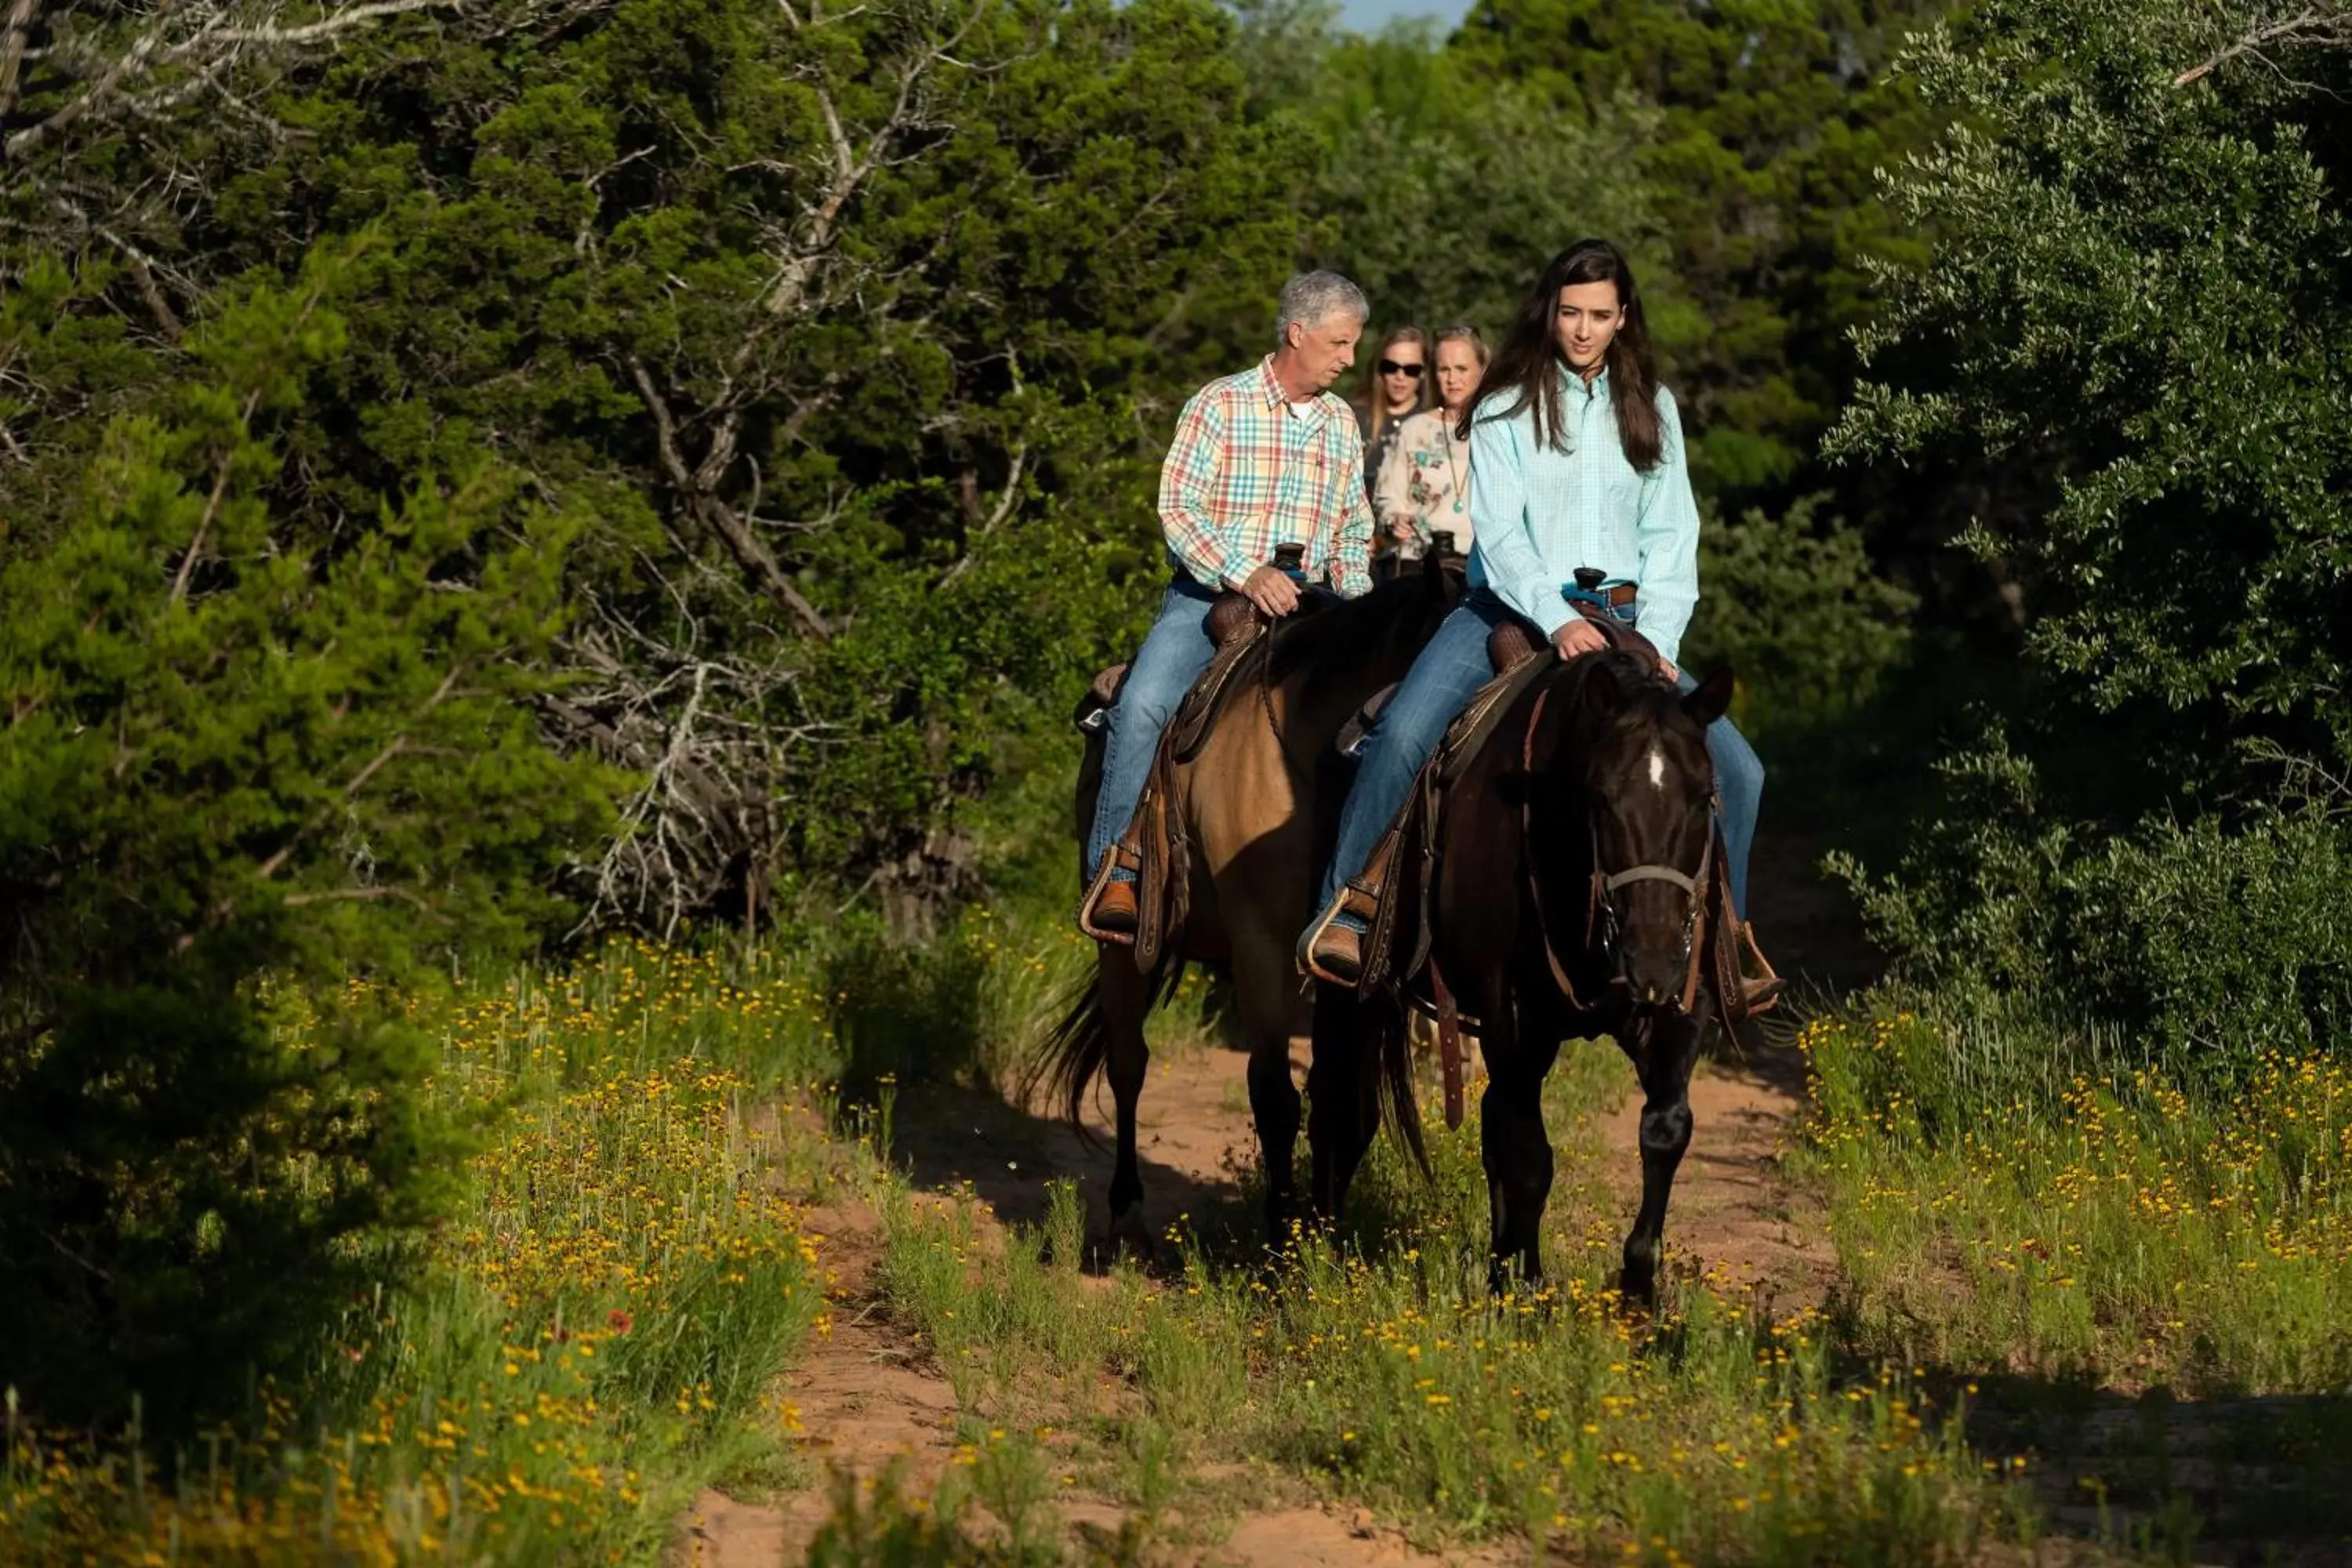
x,y
1313,298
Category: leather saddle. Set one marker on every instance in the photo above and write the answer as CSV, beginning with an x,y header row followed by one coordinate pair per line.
x,y
1155,846
1393,893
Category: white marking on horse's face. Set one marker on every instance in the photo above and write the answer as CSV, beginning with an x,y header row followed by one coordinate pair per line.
x,y
1657,768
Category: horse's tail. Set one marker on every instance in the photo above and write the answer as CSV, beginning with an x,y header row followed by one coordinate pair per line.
x,y
1388,1048
1074,1050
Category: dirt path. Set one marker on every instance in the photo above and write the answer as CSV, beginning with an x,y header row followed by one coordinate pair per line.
x,y
868,1397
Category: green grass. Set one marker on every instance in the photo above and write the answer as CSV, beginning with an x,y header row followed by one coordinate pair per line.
x,y
2118,1229
1378,1368
2031,1239
591,1335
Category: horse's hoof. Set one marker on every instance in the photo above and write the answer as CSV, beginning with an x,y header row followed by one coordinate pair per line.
x,y
1129,1235
1637,1286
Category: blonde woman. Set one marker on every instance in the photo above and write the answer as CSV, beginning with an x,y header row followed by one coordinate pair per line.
x,y
1424,483
1396,386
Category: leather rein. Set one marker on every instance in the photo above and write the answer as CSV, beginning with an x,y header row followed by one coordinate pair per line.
x,y
1600,909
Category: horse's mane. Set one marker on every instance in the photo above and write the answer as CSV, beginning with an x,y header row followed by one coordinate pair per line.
x,y
1340,638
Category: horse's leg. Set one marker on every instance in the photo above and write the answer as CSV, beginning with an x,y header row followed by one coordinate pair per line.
x,y
1126,1000
1514,1146
1343,1105
1662,1050
1265,986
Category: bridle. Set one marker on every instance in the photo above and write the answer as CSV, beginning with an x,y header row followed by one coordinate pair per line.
x,y
1600,917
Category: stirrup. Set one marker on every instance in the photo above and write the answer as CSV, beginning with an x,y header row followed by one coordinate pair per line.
x,y
1126,856
1761,993
1355,900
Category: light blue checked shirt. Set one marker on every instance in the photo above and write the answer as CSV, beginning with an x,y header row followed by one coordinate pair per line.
x,y
1538,514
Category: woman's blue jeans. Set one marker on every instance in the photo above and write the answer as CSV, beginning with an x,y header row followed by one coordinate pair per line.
x,y
1175,653
1449,671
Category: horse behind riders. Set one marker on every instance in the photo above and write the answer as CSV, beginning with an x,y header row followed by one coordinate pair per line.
x,y
1261,492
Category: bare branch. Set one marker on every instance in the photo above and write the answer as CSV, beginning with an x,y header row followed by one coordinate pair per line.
x,y
2315,24
13,34
213,39
212,510
699,488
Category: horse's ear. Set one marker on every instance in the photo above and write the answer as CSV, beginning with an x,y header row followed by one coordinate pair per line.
x,y
1712,699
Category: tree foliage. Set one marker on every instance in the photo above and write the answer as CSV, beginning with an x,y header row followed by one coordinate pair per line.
x,y
838,327
1770,119
2132,346
2130,354
1440,189
247,759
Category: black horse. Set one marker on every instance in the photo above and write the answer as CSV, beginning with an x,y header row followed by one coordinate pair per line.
x,y
1573,890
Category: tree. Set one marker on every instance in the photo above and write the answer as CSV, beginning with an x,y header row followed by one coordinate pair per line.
x,y
1443,195
2132,343
843,328
246,759
1770,121
2130,353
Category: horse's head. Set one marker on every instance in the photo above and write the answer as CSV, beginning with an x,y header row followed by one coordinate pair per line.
x,y
1627,768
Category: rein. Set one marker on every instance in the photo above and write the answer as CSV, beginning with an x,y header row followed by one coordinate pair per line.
x,y
1598,906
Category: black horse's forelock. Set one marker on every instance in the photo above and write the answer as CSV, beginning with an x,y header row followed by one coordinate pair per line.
x,y
1614,683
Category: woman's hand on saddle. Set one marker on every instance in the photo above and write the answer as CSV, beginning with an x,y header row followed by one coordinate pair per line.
x,y
1578,636
1271,590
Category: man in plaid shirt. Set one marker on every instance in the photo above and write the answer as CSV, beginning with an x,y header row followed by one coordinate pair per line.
x,y
1265,457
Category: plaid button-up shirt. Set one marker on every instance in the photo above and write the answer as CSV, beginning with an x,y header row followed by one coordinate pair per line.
x,y
1246,473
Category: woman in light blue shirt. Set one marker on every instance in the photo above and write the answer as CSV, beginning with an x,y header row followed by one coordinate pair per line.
x,y
1575,459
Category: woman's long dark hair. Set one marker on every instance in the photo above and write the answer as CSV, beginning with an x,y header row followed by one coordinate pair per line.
x,y
1527,368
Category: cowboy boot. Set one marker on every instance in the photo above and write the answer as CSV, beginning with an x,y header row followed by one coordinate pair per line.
x,y
1111,909
1115,909
1333,947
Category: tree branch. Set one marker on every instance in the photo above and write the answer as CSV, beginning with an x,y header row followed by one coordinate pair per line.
x,y
18,28
2319,23
698,486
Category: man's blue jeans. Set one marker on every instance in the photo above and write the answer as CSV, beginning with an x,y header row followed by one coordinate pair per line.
x,y
1173,655
1448,672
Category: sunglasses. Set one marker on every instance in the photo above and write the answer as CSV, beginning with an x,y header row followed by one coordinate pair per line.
x,y
1390,367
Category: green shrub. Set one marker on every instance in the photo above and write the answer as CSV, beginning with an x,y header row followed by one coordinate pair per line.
x,y
1791,603
251,749
2207,942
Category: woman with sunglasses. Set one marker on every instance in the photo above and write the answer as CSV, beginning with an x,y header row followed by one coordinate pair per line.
x,y
1424,485
1394,389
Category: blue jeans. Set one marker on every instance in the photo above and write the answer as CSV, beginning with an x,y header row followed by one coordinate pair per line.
x,y
1175,653
1448,672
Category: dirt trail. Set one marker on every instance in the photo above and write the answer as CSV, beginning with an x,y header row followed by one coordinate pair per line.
x,y
868,1397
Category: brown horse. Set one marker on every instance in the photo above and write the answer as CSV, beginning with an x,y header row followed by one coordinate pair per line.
x,y
1574,888
1259,801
